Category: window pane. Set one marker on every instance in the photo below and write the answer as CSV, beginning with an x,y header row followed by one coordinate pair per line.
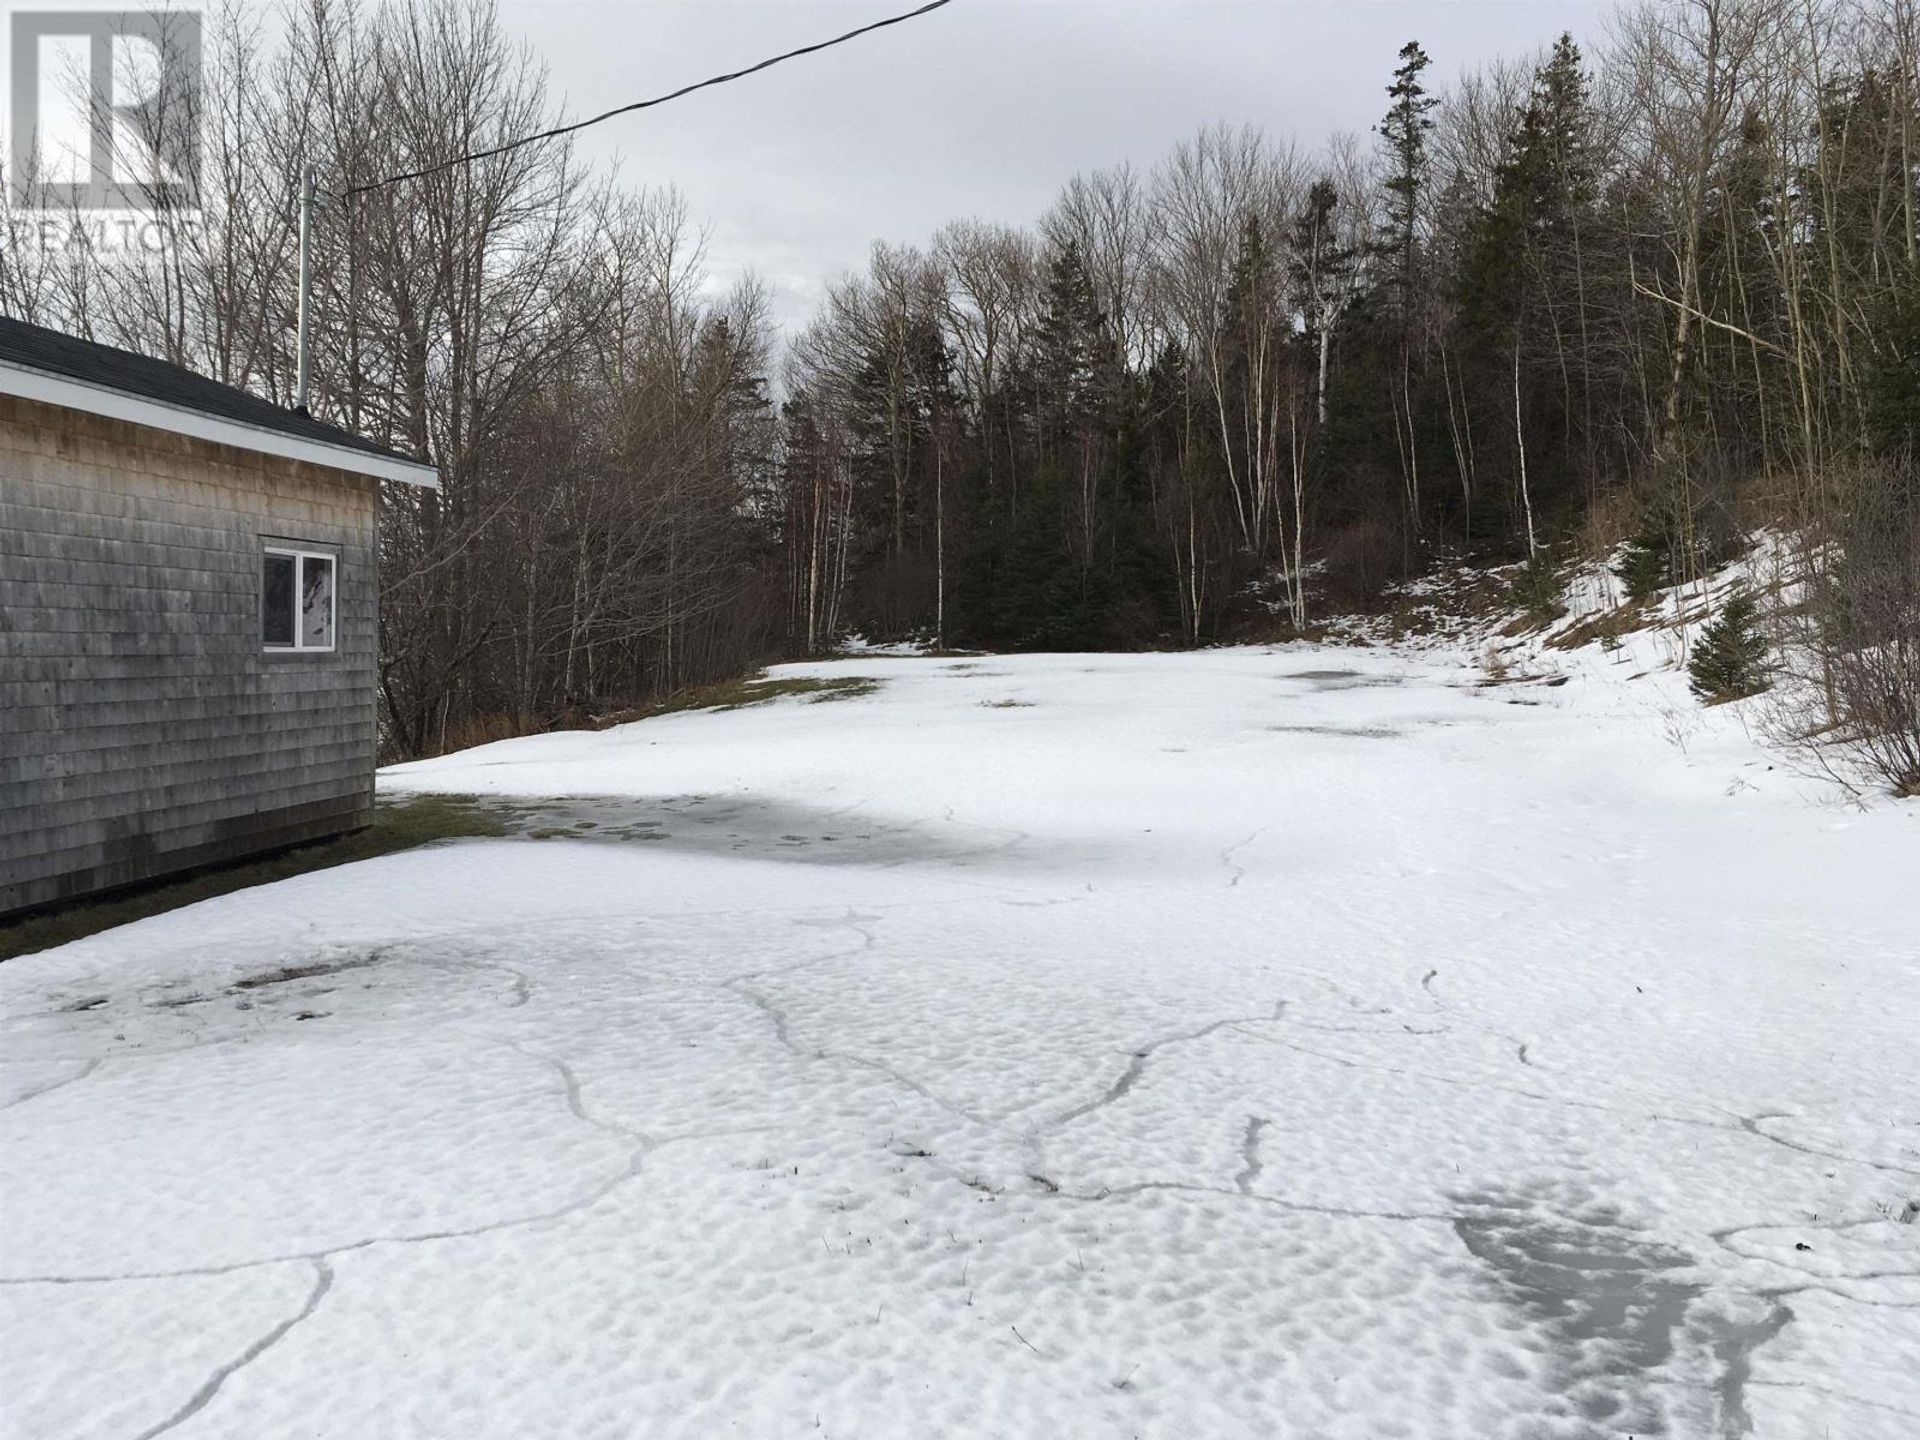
x,y
316,602
276,600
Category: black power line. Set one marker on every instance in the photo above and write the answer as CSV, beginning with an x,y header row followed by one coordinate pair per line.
x,y
511,145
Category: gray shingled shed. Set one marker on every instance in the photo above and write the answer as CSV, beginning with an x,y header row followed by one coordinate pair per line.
x,y
189,593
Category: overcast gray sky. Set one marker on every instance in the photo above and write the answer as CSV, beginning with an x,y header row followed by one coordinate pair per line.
x,y
981,109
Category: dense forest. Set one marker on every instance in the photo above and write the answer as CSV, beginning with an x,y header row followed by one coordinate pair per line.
x,y
1657,287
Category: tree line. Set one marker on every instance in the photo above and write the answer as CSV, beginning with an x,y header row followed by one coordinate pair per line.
x,y
1634,294
1661,289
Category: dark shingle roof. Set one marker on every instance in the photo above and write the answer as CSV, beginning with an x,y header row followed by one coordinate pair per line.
x,y
56,353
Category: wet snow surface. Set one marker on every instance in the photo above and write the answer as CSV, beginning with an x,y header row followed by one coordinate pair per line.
x,y
1252,1043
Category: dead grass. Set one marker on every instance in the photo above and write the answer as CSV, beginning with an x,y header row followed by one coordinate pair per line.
x,y
397,825
1608,627
287,974
1451,600
480,730
752,690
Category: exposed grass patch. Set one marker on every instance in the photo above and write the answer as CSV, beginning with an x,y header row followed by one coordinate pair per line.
x,y
851,688
1453,599
287,974
397,825
1609,628
755,690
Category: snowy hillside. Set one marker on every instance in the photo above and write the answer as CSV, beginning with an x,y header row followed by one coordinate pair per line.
x,y
1298,1042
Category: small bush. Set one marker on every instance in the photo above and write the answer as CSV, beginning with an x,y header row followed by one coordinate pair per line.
x,y
1864,596
1538,587
1730,662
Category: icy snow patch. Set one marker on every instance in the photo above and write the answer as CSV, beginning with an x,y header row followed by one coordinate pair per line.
x,y
1242,1043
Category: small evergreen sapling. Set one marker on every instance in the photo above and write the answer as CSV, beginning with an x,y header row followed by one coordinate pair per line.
x,y
1730,662
1537,586
1645,564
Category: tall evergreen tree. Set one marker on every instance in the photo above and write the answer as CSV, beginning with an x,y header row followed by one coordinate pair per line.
x,y
1404,134
1073,366
1522,283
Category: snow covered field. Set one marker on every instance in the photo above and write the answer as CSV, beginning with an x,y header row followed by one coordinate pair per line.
x,y
1303,1043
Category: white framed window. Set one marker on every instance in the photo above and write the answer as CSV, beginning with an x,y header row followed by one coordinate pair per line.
x,y
299,598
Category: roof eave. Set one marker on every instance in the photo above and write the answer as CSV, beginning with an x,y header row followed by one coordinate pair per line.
x,y
28,383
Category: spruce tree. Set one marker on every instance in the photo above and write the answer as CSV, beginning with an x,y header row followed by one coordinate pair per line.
x,y
1251,299
1522,281
1645,564
1404,131
1730,660
1073,362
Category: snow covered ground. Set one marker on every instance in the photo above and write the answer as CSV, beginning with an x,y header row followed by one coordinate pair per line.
x,y
1299,1043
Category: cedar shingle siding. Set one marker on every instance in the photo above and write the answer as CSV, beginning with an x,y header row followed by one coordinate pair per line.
x,y
143,729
